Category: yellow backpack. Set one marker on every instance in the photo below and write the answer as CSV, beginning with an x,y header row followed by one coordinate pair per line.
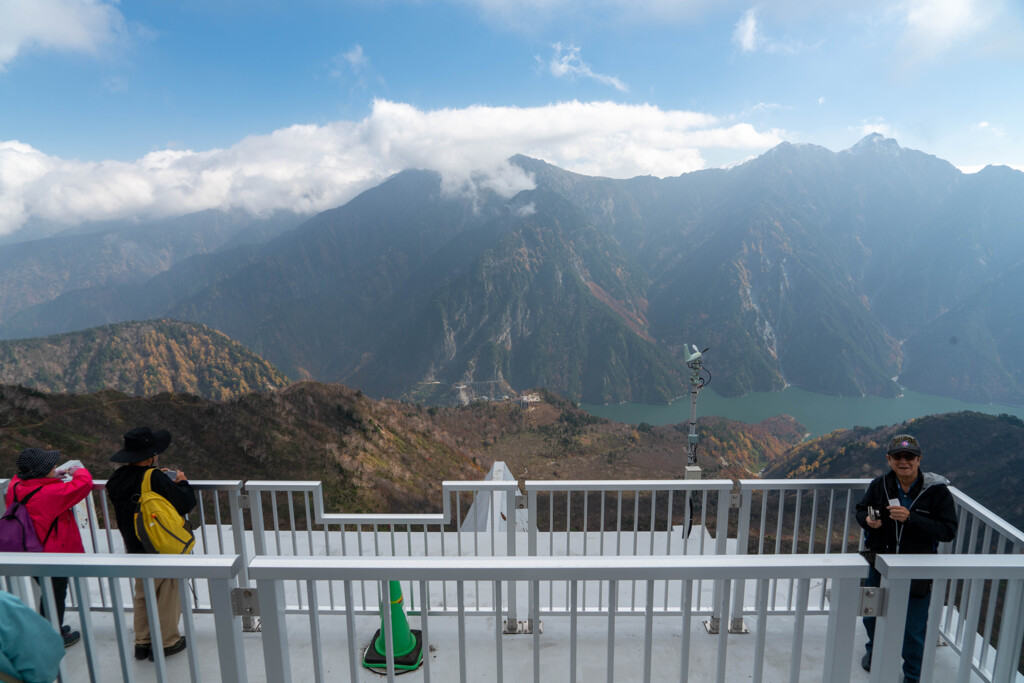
x,y
158,525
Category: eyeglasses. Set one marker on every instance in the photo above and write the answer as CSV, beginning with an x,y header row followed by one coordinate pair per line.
x,y
903,455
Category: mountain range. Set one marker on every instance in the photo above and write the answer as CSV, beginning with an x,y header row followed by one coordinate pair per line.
x,y
142,358
851,273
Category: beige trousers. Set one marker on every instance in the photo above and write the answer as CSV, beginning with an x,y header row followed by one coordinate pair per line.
x,y
168,606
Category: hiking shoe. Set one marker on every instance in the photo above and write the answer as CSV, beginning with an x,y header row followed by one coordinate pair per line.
x,y
143,651
70,637
171,649
865,661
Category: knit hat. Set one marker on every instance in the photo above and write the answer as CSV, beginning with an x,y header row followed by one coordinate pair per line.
x,y
34,463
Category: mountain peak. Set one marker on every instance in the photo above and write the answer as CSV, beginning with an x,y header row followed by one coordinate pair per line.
x,y
876,142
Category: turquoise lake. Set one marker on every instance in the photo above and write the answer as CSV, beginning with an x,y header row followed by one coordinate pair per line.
x,y
819,413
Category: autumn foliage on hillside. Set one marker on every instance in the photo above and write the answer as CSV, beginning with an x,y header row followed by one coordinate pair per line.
x,y
377,456
980,454
140,358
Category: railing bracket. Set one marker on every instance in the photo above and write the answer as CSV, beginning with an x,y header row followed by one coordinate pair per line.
x,y
244,602
736,626
872,602
243,501
521,627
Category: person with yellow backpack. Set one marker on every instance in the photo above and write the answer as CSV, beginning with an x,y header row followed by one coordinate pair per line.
x,y
150,507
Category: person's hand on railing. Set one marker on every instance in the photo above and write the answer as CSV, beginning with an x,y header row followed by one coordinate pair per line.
x,y
68,469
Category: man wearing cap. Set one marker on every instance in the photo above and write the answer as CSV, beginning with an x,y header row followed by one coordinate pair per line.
x,y
913,512
50,512
142,446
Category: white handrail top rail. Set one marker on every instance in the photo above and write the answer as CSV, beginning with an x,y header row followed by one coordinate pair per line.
x,y
629,484
143,566
482,485
281,485
383,518
951,566
582,568
993,520
790,484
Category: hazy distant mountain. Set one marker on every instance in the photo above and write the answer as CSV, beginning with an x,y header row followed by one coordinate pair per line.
x,y
142,358
802,266
120,252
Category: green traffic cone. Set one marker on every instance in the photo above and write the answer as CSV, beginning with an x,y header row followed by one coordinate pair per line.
x,y
408,643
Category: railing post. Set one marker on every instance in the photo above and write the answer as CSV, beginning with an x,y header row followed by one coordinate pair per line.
x,y
256,514
736,624
275,631
241,547
1011,634
841,633
229,637
887,652
511,621
532,550
970,629
721,536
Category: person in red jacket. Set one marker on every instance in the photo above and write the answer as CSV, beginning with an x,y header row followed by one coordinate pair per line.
x,y
50,511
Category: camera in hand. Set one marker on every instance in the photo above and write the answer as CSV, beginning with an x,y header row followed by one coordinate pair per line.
x,y
872,514
172,474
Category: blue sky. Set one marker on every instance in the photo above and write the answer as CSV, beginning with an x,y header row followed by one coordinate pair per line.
x,y
155,107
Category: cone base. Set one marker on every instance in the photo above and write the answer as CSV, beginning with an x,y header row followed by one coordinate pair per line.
x,y
407,662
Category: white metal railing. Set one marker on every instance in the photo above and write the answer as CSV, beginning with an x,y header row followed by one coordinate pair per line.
x,y
980,532
819,511
1002,661
218,521
271,574
214,575
626,518
794,517
819,514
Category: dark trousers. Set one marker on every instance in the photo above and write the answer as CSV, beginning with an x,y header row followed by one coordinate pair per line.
x,y
60,595
913,634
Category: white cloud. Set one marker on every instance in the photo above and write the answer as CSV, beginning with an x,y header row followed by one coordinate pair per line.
x,y
312,168
935,25
526,210
72,25
566,63
986,127
526,15
761,108
749,37
746,34
931,29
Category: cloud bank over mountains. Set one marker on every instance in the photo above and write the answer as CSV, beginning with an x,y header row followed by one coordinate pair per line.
x,y
311,168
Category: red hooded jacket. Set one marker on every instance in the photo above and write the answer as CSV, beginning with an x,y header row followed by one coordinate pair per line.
x,y
54,502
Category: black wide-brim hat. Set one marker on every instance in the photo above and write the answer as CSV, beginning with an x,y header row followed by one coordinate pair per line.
x,y
142,443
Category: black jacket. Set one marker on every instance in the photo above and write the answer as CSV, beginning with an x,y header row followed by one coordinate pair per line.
x,y
932,515
126,483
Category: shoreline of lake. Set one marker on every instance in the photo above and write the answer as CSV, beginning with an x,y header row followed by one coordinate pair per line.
x,y
819,413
